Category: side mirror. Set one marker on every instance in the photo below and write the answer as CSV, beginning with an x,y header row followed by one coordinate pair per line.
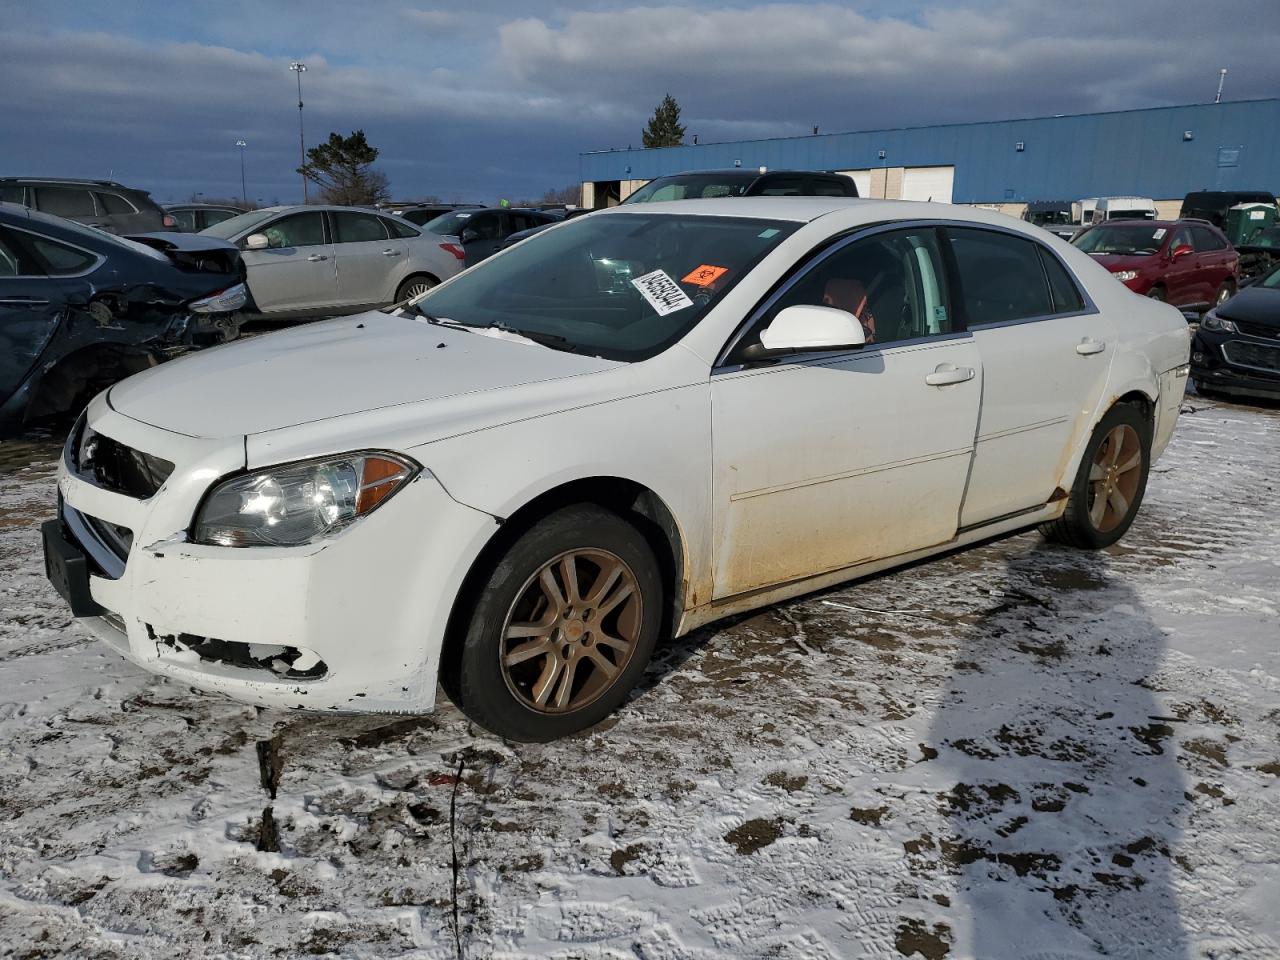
x,y
256,241
1180,251
805,327
469,235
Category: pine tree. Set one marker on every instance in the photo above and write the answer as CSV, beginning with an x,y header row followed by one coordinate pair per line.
x,y
343,169
664,128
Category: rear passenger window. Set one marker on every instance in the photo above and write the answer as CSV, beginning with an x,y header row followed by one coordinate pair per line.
x,y
358,227
14,261
1001,278
65,201
13,194
821,187
1066,295
782,187
114,203
1205,239
60,259
186,220
891,282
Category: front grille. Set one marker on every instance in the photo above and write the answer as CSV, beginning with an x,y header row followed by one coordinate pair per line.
x,y
1258,330
118,539
109,464
1256,356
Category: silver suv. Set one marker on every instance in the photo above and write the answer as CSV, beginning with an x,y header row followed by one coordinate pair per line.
x,y
104,204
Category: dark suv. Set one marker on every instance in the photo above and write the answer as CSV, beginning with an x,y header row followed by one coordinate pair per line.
x,y
104,204
737,182
1212,205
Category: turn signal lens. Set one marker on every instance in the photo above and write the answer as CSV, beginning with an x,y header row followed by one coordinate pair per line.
x,y
299,503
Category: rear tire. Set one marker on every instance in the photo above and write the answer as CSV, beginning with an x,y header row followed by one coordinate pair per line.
x,y
415,286
1225,293
1158,293
1114,467
561,630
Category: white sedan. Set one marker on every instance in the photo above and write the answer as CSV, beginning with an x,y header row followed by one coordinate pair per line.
x,y
630,425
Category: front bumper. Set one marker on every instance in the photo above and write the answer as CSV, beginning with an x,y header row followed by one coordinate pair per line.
x,y
1216,364
369,606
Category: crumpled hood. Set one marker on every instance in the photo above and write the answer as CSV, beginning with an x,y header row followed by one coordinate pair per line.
x,y
331,369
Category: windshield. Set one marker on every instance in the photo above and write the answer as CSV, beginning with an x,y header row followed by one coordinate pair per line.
x,y
693,186
1048,217
228,229
1272,280
1131,214
619,286
1130,240
449,224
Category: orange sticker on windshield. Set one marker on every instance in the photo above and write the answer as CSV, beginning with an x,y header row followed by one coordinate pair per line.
x,y
705,275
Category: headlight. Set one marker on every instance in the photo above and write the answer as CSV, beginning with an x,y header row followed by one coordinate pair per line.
x,y
226,301
1124,275
298,503
1211,321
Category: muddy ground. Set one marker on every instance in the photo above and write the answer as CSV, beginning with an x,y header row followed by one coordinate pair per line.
x,y
1014,751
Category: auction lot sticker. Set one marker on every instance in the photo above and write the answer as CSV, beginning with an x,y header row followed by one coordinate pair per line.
x,y
663,293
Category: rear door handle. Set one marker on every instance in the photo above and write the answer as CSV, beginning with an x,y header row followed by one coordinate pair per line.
x,y
948,373
391,253
1089,346
316,258
23,302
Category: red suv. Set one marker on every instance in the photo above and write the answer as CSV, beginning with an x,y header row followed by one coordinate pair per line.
x,y
1188,263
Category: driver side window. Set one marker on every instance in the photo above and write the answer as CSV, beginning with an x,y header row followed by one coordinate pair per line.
x,y
297,230
892,282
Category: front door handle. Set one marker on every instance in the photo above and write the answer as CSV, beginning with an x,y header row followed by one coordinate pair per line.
x,y
948,373
391,253
1089,346
316,258
23,302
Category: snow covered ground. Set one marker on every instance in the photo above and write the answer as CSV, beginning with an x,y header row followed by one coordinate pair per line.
x,y
1018,751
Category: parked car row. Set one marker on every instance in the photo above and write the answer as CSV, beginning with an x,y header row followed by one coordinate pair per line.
x,y
104,204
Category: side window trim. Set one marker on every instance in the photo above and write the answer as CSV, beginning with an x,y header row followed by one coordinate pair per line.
x,y
97,259
814,259
957,293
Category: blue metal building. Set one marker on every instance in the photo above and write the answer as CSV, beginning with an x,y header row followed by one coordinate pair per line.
x,y
1161,153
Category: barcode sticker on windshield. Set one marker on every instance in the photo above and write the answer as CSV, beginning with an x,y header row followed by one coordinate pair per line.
x,y
663,293
1159,234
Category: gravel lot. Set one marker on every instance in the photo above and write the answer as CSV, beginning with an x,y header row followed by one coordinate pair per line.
x,y
1016,751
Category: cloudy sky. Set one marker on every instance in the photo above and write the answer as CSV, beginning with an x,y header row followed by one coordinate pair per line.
x,y
481,100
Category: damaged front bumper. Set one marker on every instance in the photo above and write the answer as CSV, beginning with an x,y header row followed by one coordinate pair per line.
x,y
352,623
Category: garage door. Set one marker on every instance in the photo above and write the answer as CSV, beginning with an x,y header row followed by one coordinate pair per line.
x,y
862,178
928,183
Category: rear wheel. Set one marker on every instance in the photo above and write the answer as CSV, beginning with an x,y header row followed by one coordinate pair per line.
x,y
1110,483
562,629
1225,292
1158,293
415,287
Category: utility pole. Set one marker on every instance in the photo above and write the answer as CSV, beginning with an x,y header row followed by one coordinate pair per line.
x,y
244,194
301,68
1222,78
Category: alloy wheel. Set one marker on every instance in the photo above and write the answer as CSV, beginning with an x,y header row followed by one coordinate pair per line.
x,y
1114,476
417,289
572,631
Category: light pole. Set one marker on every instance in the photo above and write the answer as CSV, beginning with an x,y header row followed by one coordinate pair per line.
x,y
301,68
244,194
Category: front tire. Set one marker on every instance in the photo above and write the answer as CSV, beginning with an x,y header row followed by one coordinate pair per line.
x,y
562,629
1110,483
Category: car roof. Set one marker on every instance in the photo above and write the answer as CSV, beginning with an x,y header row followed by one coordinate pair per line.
x,y
804,209
205,206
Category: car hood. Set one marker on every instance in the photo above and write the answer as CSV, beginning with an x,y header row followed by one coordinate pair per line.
x,y
333,369
1122,261
1258,305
